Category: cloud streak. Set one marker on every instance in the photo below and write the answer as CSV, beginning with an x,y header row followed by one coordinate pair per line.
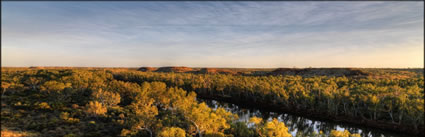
x,y
212,34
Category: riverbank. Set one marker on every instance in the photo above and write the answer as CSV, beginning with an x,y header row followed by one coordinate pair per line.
x,y
320,116
365,102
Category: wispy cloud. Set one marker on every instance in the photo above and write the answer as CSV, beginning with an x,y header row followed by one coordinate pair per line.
x,y
216,34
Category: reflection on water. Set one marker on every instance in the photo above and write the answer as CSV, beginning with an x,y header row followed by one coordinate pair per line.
x,y
300,126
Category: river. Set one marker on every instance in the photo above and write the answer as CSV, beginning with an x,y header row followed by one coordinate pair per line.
x,y
299,125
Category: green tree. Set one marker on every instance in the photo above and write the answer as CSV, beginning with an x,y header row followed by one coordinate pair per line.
x,y
272,128
144,112
172,132
107,98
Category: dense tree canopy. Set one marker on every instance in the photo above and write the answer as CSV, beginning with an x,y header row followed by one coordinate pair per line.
x,y
391,100
99,102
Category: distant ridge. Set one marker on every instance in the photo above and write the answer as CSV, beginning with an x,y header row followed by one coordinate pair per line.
x,y
304,72
215,71
308,72
174,69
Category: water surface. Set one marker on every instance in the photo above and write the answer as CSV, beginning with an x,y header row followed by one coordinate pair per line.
x,y
298,125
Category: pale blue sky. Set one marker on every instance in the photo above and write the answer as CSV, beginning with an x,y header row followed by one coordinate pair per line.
x,y
213,34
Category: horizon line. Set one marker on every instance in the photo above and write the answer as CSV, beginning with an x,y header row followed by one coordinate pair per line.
x,y
210,67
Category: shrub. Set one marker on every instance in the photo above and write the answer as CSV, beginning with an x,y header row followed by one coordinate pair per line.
x,y
345,133
44,105
172,132
95,108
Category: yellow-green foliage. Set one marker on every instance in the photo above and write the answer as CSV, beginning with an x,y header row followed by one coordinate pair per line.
x,y
274,128
54,86
172,132
345,133
11,133
43,105
205,119
95,108
255,120
106,98
65,116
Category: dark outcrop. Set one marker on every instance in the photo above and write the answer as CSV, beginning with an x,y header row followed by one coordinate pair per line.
x,y
147,69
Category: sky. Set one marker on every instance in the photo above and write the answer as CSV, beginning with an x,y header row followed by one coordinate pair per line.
x,y
213,34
